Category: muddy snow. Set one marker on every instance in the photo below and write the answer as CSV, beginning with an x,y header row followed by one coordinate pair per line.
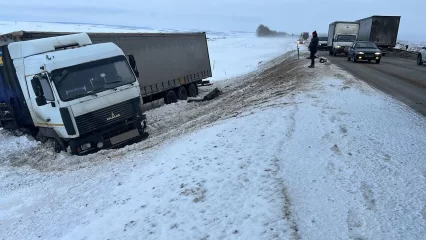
x,y
285,152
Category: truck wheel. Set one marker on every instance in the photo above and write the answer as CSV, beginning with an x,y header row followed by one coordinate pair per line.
x,y
170,97
354,59
57,147
377,61
330,52
192,90
419,60
181,93
334,53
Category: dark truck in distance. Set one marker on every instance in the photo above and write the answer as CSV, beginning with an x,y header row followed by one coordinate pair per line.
x,y
381,30
168,65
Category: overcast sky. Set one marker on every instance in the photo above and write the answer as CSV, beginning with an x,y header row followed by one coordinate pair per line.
x,y
220,15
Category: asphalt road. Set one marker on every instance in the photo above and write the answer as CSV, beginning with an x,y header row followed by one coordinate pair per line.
x,y
400,77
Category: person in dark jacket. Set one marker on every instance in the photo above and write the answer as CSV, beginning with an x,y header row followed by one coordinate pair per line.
x,y
313,48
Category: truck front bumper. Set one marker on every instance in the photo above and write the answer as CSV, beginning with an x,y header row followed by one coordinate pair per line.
x,y
113,136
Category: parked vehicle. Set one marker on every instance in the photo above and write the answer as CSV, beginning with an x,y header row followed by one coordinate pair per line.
x,y
340,36
382,30
83,96
168,66
363,50
421,57
323,39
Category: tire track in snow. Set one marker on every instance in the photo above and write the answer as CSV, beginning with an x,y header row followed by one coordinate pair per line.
x,y
288,213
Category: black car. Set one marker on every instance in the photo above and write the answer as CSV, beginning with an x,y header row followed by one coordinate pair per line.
x,y
363,50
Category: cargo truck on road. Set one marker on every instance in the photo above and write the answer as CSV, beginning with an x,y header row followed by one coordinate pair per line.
x,y
87,94
341,35
381,30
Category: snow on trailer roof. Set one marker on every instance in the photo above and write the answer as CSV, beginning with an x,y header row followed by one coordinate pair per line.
x,y
28,34
23,49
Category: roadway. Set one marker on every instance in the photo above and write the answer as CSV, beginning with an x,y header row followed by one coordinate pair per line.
x,y
399,77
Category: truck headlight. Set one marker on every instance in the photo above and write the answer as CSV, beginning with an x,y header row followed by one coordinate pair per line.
x,y
378,53
85,146
360,53
338,46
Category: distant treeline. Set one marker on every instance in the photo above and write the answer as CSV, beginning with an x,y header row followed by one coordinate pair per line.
x,y
264,31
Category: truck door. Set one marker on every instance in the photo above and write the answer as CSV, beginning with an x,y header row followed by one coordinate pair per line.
x,y
43,102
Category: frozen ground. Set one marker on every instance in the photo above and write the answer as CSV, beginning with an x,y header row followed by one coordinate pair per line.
x,y
231,54
284,153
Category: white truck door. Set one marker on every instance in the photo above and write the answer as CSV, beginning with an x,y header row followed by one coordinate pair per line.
x,y
46,114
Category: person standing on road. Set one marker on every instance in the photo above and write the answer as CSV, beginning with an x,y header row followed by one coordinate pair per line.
x,y
313,48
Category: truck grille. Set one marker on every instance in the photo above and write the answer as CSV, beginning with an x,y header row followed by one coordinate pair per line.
x,y
105,117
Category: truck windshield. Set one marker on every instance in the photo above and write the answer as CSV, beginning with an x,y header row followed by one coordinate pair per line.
x,y
90,78
346,38
323,38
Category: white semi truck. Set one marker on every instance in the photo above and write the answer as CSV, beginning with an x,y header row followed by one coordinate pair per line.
x,y
85,91
81,95
340,36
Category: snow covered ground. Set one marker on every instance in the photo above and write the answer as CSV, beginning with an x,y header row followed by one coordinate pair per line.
x,y
285,153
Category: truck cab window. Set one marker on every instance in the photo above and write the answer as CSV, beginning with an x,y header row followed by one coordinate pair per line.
x,y
47,90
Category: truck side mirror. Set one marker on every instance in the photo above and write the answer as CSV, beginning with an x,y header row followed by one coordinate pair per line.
x,y
132,62
38,91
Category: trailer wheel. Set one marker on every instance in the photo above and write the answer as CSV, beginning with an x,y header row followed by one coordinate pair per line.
x,y
192,90
182,93
170,97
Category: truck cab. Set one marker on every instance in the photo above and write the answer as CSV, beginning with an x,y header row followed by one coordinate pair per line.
x,y
340,36
81,95
342,42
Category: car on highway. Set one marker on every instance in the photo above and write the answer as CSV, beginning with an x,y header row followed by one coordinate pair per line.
x,y
364,50
322,43
421,57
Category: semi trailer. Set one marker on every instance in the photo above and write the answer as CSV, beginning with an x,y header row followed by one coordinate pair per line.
x,y
167,65
77,89
381,30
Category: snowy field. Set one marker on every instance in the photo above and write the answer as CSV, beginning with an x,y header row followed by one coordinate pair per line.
x,y
285,153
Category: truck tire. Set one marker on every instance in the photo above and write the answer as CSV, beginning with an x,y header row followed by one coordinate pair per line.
x,y
378,61
354,59
170,97
419,60
182,93
330,52
192,90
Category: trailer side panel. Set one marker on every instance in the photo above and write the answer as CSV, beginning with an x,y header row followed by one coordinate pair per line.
x,y
164,61
384,30
365,29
